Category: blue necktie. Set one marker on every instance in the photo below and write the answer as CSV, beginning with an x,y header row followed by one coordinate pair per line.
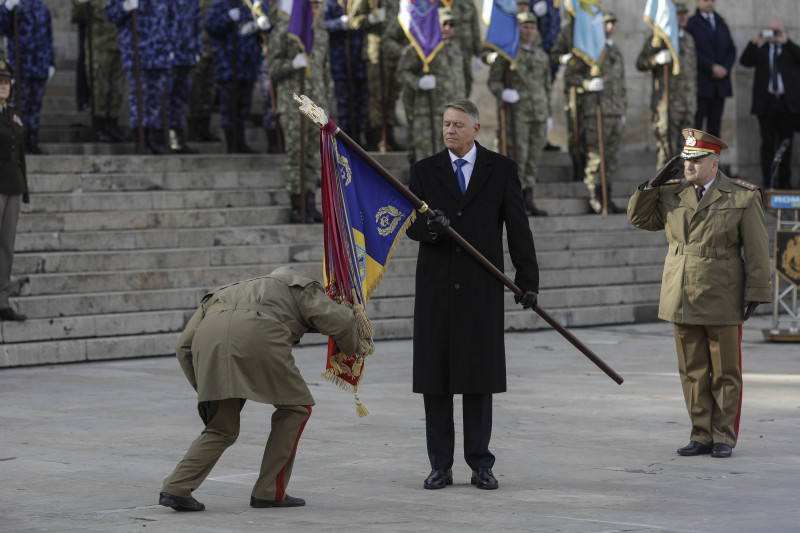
x,y
462,181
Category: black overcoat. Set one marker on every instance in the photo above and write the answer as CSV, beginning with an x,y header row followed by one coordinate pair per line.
x,y
458,312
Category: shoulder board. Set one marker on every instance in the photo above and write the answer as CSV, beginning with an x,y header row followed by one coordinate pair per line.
x,y
673,181
745,184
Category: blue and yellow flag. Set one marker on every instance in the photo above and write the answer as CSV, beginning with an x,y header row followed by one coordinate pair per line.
x,y
503,33
588,32
660,15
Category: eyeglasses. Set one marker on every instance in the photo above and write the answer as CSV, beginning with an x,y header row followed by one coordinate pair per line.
x,y
449,23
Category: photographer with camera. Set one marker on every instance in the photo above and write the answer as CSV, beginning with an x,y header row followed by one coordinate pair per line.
x,y
776,96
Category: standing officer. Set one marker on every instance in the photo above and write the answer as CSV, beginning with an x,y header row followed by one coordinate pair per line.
x,y
104,62
716,272
204,89
669,117
237,347
606,91
155,26
188,47
528,100
468,37
561,55
35,59
428,92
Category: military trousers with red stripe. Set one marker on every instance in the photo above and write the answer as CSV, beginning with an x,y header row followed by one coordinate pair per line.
x,y
710,367
222,428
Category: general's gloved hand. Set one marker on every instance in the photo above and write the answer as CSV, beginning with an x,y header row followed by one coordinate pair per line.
x,y
127,5
749,309
478,64
595,85
263,23
439,223
564,59
379,15
427,82
491,57
510,95
299,61
667,172
663,57
248,28
234,14
528,299
51,71
540,8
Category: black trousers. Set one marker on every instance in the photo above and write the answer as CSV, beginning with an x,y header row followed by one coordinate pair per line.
x,y
776,123
709,109
440,431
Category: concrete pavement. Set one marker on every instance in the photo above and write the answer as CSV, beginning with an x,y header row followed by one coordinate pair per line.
x,y
85,447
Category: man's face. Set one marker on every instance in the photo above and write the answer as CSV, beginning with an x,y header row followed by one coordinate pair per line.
x,y
458,132
611,27
527,33
705,5
700,171
5,89
683,19
448,29
314,10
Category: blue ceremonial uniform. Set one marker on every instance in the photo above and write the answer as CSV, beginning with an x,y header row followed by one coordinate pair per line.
x,y
549,25
351,108
188,39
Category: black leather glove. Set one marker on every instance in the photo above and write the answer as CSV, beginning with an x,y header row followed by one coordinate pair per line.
x,y
749,309
528,299
439,223
667,172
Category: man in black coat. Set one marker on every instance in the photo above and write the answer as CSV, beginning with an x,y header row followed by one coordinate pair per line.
x,y
776,97
716,54
458,316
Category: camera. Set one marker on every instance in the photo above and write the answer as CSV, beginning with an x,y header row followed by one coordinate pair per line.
x,y
768,33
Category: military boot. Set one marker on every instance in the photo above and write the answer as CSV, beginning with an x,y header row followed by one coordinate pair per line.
x,y
154,141
230,142
100,130
32,143
177,143
393,144
295,216
272,141
530,207
204,132
242,147
113,131
312,215
372,139
612,207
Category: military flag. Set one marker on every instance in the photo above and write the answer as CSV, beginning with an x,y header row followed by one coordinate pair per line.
x,y
588,32
364,217
301,24
503,33
420,21
660,15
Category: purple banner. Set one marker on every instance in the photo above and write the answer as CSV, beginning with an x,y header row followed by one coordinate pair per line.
x,y
301,25
420,21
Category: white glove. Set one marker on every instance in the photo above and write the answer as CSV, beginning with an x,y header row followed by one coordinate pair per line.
x,y
51,71
263,23
663,57
427,82
623,120
491,57
248,28
510,95
128,5
197,58
564,59
378,16
299,61
595,85
343,20
234,14
540,8
549,126
478,64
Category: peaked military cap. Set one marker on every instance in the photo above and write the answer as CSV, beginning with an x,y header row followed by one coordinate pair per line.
x,y
698,144
680,7
526,16
609,16
445,14
5,71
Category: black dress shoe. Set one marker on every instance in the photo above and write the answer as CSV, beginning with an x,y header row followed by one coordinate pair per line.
x,y
180,504
287,501
721,450
439,478
694,448
11,315
484,479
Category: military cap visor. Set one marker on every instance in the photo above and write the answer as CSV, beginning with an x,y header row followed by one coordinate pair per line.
x,y
699,144
5,71
445,14
609,17
680,7
527,16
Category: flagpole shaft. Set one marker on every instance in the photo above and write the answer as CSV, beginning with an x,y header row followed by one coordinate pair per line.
x,y
665,96
419,205
601,149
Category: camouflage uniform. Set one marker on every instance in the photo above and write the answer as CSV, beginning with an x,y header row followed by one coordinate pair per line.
x,y
317,86
467,35
423,127
668,121
36,44
563,45
531,79
204,88
105,64
614,102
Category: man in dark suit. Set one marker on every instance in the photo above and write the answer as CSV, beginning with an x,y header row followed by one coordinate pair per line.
x,y
715,56
458,315
776,97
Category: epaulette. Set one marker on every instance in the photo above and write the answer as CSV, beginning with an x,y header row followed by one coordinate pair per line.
x,y
745,184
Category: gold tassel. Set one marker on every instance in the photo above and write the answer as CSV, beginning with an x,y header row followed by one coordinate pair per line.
x,y
360,409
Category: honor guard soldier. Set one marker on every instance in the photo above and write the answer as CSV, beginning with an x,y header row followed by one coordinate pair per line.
x,y
468,37
188,47
716,272
35,59
204,89
673,105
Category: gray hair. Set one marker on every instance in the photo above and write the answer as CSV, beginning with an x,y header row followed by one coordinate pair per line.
x,y
468,107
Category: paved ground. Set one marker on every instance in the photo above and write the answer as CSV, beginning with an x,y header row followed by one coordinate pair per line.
x,y
85,447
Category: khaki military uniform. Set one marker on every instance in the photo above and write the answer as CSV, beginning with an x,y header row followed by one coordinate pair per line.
x,y
718,259
531,78
425,127
669,118
238,346
467,35
561,46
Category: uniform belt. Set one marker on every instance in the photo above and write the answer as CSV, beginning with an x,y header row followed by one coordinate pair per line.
x,y
704,251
